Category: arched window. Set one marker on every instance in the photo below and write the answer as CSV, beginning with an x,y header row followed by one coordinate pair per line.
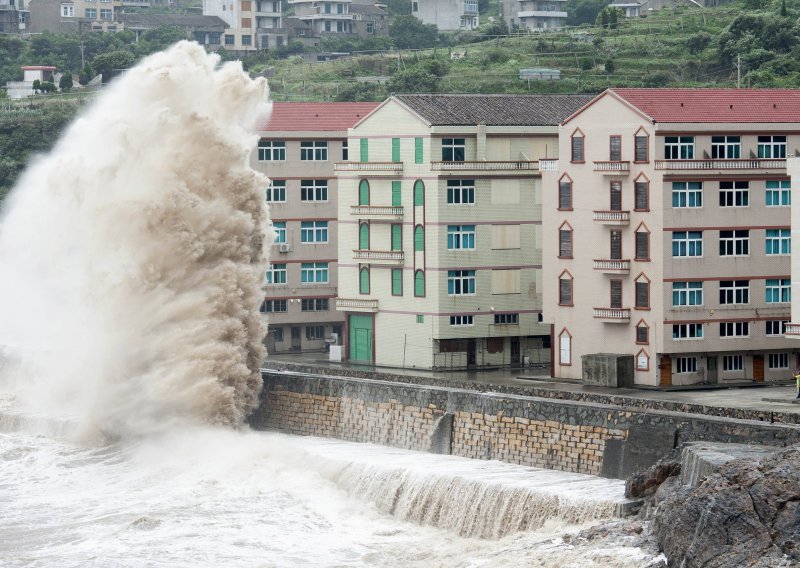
x,y
419,283
565,240
577,146
642,361
565,289
363,192
419,238
565,347
419,192
363,280
642,292
642,333
642,244
641,146
641,193
363,236
565,193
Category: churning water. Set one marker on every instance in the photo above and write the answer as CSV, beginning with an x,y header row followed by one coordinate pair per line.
x,y
130,265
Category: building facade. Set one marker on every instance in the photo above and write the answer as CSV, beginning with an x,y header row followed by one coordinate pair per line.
x,y
252,24
534,14
440,230
667,234
447,15
299,144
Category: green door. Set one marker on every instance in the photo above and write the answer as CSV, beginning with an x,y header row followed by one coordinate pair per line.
x,y
360,338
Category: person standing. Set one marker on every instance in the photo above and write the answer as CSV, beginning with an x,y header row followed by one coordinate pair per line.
x,y
797,382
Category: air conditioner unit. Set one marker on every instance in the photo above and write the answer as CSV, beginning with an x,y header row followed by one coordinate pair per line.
x,y
284,247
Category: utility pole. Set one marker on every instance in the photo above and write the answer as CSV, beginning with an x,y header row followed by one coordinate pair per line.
x,y
738,71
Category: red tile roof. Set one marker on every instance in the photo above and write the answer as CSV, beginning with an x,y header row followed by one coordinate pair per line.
x,y
300,117
715,105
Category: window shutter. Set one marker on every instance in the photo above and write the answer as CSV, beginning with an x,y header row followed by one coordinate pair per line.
x,y
641,197
616,245
363,192
365,150
615,149
640,152
397,282
419,238
397,237
395,149
616,293
565,243
565,195
417,150
565,291
616,196
396,194
419,193
643,294
641,334
363,237
577,148
419,283
642,246
363,281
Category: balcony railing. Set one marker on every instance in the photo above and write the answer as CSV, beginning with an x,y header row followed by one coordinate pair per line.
x,y
365,211
612,167
613,217
374,167
613,266
487,166
621,315
747,164
792,329
380,256
356,305
548,165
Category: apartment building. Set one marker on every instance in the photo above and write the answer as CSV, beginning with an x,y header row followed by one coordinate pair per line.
x,y
447,15
667,234
299,144
534,14
440,230
253,24
324,17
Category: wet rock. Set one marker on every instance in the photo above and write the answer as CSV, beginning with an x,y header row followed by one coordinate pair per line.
x,y
646,482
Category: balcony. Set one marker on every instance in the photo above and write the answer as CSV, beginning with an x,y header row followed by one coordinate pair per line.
x,y
356,305
376,212
483,166
613,266
372,168
613,315
766,165
613,218
541,14
380,256
548,165
613,168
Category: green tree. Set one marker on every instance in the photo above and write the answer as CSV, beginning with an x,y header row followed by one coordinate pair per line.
x,y
65,83
413,80
610,66
584,11
37,86
87,74
108,63
698,42
784,11
609,18
408,32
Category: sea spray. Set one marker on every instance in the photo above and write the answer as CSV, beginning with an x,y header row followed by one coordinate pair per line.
x,y
133,254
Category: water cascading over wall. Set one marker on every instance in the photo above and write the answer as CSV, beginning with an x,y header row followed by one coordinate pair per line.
x,y
132,255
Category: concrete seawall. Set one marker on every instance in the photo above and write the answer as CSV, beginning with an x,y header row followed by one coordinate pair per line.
x,y
583,436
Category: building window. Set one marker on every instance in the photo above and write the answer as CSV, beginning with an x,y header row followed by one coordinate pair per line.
x,y
363,236
616,244
642,245
460,282
397,193
91,13
641,196
732,363
779,241
314,272
565,289
397,281
420,318
419,284
247,6
772,146
395,150
615,195
370,28
229,40
615,149
276,274
615,289
734,243
726,147
419,193
271,151
397,237
345,153
565,348
314,305
779,291
246,23
457,321
734,329
247,40
640,147
460,237
577,146
460,191
67,11
280,231
278,333
734,292
314,232
565,241
453,149
314,190
642,289
565,194
778,361
779,193
687,293
687,331
276,192
687,194
685,365
419,238
363,192
506,319
315,332
679,147
105,14
314,151
363,280
642,361
273,307
775,327
734,193
642,333
418,147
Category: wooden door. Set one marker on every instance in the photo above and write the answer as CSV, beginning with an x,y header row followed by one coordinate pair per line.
x,y
666,371
758,368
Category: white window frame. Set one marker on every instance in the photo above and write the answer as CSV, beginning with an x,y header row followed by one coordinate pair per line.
x,y
314,190
732,363
460,237
276,191
280,232
460,280
271,151
315,332
687,293
314,305
770,325
778,193
687,331
688,242
462,321
684,365
270,307
782,287
772,147
733,292
276,274
461,192
734,242
565,348
679,147
687,194
314,273
778,361
313,232
506,319
314,151
729,329
451,146
67,11
734,194
726,147
780,240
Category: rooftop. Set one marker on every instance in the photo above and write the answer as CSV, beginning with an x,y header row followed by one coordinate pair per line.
x,y
314,116
715,105
179,20
494,110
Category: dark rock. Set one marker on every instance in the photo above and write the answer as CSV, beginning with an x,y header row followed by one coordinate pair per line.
x,y
645,483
